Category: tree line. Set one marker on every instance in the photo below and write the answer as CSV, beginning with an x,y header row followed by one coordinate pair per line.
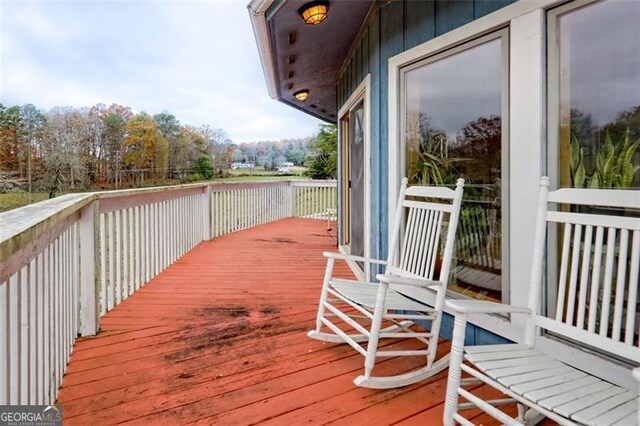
x,y
271,154
69,148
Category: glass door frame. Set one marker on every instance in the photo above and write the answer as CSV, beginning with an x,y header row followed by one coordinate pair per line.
x,y
360,94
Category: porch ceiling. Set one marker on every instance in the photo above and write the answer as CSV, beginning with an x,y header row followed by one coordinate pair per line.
x,y
298,56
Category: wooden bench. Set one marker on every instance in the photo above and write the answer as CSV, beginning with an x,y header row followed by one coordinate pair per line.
x,y
596,309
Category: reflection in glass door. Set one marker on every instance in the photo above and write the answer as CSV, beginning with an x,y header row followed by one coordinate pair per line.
x,y
594,117
352,154
454,117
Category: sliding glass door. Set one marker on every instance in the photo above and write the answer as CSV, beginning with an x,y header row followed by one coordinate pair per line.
x,y
353,183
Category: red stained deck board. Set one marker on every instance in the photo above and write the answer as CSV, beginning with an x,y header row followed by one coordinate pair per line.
x,y
219,338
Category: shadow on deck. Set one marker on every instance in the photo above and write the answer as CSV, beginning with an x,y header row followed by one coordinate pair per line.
x,y
219,337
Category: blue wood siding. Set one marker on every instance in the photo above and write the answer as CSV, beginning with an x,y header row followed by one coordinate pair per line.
x,y
451,14
393,28
375,147
420,22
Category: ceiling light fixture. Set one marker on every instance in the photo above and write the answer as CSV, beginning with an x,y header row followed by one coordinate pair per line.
x,y
302,95
314,12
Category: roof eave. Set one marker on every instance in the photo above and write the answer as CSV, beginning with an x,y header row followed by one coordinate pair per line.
x,y
257,12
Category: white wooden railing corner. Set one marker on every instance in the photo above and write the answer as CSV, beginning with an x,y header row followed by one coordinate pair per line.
x,y
65,262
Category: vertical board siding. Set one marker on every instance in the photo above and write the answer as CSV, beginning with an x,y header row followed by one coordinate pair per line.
x,y
392,28
391,36
364,47
359,69
481,8
451,14
354,74
374,149
420,24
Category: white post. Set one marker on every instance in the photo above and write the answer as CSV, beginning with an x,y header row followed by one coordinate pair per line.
x,y
208,214
89,270
292,198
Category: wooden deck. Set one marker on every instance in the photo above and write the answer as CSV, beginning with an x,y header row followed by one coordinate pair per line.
x,y
219,338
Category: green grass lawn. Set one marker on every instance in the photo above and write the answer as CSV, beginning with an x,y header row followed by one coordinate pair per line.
x,y
259,178
13,200
259,173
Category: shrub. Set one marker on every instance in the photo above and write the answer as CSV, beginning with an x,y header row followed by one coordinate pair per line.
x,y
204,167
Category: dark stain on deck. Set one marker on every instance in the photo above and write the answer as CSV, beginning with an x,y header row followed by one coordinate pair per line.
x,y
269,310
233,312
277,240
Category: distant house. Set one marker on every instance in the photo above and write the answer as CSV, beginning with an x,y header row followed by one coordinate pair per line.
x,y
235,166
498,91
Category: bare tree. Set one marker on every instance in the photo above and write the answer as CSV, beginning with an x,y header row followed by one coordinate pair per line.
x,y
32,122
63,134
219,146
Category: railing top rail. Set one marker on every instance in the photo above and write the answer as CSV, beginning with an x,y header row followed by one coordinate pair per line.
x,y
150,190
317,183
218,186
20,226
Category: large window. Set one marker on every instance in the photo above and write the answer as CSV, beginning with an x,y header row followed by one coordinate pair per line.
x,y
454,119
594,93
594,115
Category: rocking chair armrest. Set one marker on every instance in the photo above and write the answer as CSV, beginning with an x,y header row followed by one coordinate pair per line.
x,y
483,307
341,256
416,282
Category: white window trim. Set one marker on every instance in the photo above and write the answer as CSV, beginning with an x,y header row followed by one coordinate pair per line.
x,y
501,34
527,146
362,93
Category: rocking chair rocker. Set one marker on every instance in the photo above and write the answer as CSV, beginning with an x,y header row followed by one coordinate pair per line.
x,y
409,269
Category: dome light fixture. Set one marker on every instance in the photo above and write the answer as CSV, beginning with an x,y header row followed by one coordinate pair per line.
x,y
315,12
302,95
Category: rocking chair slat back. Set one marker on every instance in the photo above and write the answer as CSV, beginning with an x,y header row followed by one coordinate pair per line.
x,y
441,192
421,239
597,281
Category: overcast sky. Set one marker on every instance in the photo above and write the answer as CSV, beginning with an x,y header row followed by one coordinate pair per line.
x,y
198,60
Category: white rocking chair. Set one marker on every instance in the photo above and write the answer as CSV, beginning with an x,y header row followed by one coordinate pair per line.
x,y
409,269
597,294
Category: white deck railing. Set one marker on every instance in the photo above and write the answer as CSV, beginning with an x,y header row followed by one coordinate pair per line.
x,y
67,261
